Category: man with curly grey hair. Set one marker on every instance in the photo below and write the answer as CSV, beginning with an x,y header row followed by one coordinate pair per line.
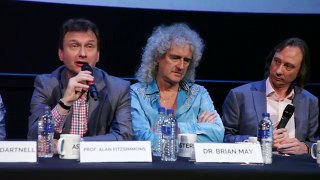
x,y
166,78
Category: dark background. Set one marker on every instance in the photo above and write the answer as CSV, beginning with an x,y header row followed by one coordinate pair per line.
x,y
236,46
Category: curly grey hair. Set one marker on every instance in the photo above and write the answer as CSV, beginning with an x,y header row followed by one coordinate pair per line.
x,y
161,41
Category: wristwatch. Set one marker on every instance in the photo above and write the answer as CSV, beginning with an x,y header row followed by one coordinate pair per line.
x,y
63,105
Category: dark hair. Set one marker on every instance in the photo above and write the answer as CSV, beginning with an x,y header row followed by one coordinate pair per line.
x,y
303,75
78,25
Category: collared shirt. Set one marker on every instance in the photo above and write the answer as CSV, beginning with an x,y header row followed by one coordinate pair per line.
x,y
275,107
79,123
192,100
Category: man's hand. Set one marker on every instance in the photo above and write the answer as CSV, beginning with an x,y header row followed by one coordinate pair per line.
x,y
209,117
76,86
279,136
292,146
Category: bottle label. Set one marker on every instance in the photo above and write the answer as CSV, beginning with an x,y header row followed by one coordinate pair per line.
x,y
166,130
49,127
263,134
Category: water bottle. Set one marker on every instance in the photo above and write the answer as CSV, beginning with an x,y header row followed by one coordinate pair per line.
x,y
265,137
169,137
156,149
45,134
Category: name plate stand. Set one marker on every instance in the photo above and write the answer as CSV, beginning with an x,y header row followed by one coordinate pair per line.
x,y
115,151
18,151
228,152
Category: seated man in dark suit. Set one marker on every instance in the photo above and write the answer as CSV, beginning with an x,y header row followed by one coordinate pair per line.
x,y
286,75
106,116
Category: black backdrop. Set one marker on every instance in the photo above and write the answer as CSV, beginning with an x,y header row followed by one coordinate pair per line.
x,y
236,45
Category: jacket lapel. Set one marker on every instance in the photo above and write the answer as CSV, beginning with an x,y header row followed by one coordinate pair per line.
x,y
259,98
94,105
186,96
298,115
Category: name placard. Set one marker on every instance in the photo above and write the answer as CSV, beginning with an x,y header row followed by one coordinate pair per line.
x,y
228,152
115,151
18,151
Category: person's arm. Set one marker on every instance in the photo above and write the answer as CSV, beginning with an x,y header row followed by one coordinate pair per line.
x,y
302,146
44,86
230,118
313,123
39,100
43,91
2,120
208,130
121,126
140,122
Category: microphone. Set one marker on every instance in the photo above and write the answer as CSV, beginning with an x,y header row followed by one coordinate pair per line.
x,y
286,115
92,87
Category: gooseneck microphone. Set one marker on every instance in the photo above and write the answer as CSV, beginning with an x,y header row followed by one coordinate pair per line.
x,y
92,87
286,115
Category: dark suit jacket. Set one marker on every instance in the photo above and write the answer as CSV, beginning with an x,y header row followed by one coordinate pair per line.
x,y
243,107
109,116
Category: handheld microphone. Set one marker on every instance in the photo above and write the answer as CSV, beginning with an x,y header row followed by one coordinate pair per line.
x,y
286,115
92,87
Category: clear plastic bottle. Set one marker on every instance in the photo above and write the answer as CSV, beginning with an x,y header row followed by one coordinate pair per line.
x,y
156,149
45,134
265,137
169,137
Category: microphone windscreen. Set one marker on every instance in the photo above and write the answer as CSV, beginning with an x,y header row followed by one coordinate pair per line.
x,y
86,67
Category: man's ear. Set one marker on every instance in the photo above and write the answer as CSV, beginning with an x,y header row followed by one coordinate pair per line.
x,y
98,57
60,54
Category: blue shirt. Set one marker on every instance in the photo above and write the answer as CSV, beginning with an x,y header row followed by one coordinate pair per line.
x,y
192,100
2,121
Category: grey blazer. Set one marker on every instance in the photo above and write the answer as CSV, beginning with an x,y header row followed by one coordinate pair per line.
x,y
109,116
243,107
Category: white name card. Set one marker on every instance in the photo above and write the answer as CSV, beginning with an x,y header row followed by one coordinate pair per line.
x,y
228,152
18,151
115,151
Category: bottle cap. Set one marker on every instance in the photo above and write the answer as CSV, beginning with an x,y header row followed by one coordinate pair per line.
x,y
161,109
265,114
170,111
47,108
